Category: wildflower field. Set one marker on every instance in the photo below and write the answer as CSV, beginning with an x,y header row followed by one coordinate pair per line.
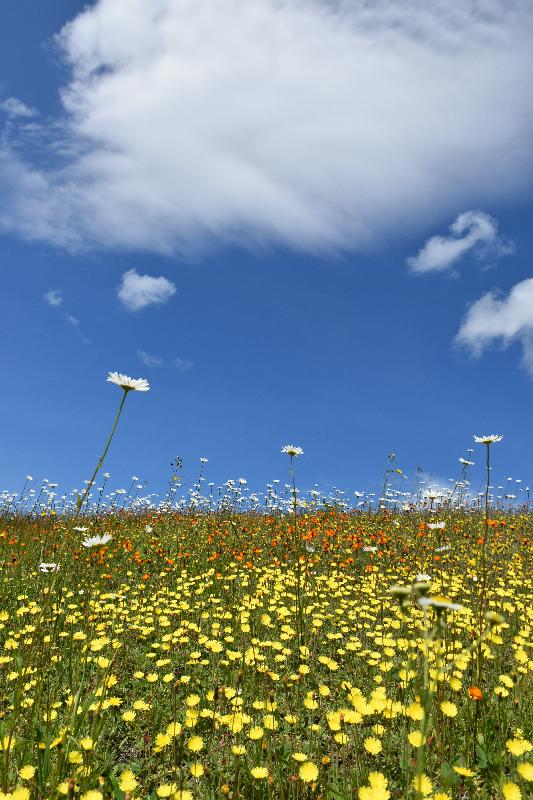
x,y
254,655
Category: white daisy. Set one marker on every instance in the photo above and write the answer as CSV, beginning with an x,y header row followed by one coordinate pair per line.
x,y
487,439
439,602
292,450
129,384
51,567
96,541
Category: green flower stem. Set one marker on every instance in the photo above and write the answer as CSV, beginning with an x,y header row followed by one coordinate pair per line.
x,y
83,497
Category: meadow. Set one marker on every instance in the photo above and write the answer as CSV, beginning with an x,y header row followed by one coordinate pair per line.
x,y
315,654
191,649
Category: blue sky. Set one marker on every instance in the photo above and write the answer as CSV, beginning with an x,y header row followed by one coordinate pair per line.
x,y
295,316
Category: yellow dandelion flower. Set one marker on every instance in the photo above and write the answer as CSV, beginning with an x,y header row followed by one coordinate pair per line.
x,y
373,745
377,780
256,733
174,729
163,739
415,712
27,772
270,722
308,772
21,793
197,770
525,770
517,747
464,771
448,709
341,738
127,781
238,749
299,756
195,744
129,716
183,794
259,773
422,785
166,789
192,700
75,757
6,743
92,794
511,791
87,743
416,739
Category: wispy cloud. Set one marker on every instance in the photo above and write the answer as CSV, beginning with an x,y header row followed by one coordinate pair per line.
x,y
148,359
182,365
138,291
72,320
312,123
14,107
54,297
472,232
506,319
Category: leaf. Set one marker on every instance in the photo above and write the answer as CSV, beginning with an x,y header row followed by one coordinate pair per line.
x,y
483,759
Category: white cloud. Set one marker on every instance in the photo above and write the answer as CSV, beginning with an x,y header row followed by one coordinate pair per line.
x,y
312,123
507,319
72,320
54,297
472,232
148,359
182,365
138,291
14,107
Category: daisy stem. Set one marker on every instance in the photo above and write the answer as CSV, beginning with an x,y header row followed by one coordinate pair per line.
x,y
81,498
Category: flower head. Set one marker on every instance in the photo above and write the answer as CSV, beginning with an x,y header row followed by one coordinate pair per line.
x,y
308,772
96,541
27,772
259,773
292,450
511,791
487,439
128,781
48,567
439,602
128,384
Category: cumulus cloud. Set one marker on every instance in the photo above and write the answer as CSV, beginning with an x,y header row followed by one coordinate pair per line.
x,y
138,291
316,124
493,318
148,359
54,297
472,232
14,107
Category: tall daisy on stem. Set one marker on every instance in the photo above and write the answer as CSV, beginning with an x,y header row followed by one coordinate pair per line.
x,y
127,385
487,441
293,452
